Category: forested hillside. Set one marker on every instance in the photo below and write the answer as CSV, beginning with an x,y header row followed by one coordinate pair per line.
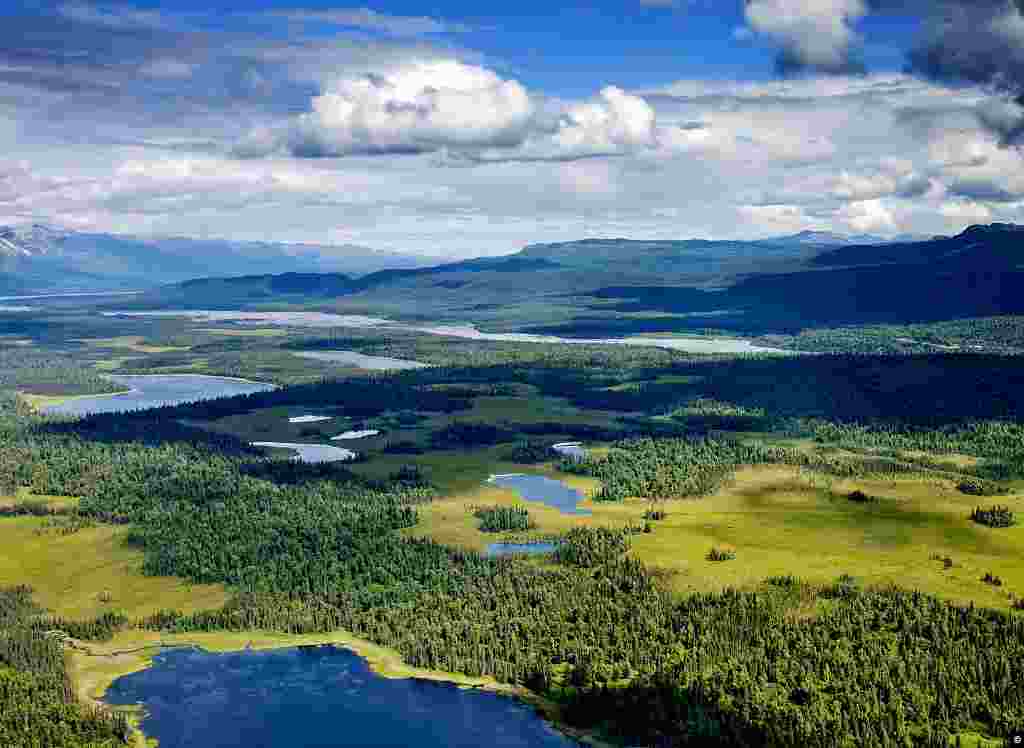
x,y
598,632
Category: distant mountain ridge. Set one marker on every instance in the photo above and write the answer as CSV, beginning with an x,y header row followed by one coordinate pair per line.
x,y
41,257
596,287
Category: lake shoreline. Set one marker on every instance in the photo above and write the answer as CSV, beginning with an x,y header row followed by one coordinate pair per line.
x,y
95,667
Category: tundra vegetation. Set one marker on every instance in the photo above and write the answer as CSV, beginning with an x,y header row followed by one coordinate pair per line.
x,y
633,627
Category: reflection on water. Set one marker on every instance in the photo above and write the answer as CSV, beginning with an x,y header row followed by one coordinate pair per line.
x,y
152,391
361,361
514,549
572,450
548,491
316,697
312,452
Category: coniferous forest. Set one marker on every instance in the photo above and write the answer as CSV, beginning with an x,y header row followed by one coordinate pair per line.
x,y
317,548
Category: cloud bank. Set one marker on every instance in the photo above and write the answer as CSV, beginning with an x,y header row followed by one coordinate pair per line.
x,y
467,112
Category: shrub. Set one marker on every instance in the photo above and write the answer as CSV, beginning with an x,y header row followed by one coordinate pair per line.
x,y
994,516
529,451
845,586
721,554
861,498
947,562
979,487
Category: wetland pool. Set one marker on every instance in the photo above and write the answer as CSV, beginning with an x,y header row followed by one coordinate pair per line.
x,y
155,390
547,491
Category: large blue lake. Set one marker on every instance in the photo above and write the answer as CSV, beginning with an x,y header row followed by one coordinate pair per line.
x,y
151,391
316,697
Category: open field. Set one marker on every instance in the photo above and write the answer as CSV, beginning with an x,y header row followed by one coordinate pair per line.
x,y
780,521
41,402
130,342
69,572
23,494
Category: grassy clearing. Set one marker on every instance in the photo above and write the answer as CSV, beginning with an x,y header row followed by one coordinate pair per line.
x,y
130,342
24,494
781,522
39,403
68,572
452,470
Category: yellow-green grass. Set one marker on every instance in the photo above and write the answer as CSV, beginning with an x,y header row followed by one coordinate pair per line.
x,y
779,520
24,494
782,522
450,520
130,342
41,402
69,573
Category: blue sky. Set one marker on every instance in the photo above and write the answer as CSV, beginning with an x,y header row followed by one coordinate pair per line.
x,y
463,129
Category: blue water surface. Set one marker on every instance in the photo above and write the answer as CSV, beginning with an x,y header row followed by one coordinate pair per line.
x,y
513,549
316,697
546,490
152,391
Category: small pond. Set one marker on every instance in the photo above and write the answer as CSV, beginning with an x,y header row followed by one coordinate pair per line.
x,y
316,697
345,435
548,491
312,452
152,391
515,549
572,450
361,360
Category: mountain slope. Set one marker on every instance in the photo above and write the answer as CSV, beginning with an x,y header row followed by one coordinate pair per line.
x,y
977,273
44,258
599,287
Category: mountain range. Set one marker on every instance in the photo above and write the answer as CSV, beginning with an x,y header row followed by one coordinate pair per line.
x,y
36,257
597,287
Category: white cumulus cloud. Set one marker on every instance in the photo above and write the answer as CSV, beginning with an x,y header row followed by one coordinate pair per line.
x,y
815,34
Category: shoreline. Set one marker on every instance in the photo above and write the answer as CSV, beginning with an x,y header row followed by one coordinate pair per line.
x,y
40,402
94,667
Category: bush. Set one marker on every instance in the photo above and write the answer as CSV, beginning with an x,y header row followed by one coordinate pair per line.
x,y
845,586
979,487
503,518
529,452
994,516
947,562
861,498
721,554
